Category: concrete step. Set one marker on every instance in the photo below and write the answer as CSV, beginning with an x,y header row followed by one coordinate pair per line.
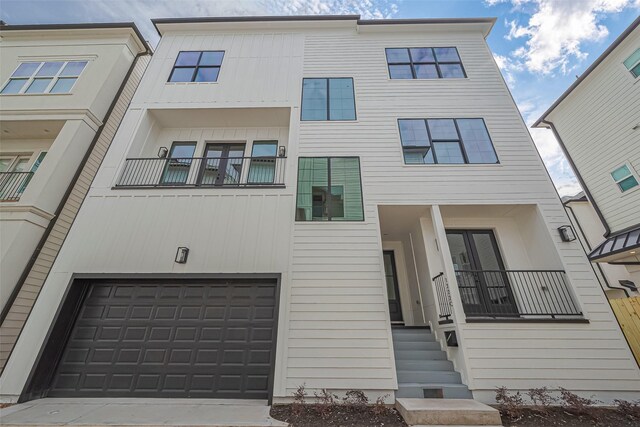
x,y
424,365
429,412
445,377
449,391
416,345
420,355
415,333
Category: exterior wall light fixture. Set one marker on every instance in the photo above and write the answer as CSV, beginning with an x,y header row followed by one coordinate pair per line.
x,y
566,233
282,151
162,152
182,255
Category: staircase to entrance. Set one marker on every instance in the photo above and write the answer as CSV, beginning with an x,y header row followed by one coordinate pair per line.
x,y
422,367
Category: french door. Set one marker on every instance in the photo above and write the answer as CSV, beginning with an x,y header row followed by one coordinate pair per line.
x,y
482,279
222,164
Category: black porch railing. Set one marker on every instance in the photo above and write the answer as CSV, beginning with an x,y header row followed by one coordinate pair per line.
x,y
203,172
516,293
444,297
12,185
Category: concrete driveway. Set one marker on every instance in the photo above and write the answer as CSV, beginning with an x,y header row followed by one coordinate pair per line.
x,y
139,412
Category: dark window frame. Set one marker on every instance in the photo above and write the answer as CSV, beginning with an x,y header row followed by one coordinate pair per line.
x,y
435,62
459,140
197,66
329,119
329,186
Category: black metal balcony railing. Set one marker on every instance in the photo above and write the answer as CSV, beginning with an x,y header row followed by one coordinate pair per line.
x,y
444,297
516,293
12,185
203,172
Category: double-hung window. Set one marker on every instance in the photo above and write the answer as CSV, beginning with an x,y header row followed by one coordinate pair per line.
x,y
329,189
448,141
197,66
424,63
633,63
328,99
624,178
44,77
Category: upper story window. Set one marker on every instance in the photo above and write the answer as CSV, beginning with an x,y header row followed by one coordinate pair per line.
x,y
448,141
44,77
328,99
424,63
197,66
633,63
624,178
329,189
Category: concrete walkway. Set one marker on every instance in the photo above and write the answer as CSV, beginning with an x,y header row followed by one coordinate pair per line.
x,y
139,412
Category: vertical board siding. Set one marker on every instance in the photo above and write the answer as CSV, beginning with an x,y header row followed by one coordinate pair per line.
x,y
21,307
596,123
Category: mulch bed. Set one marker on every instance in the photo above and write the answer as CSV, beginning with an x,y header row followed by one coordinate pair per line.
x,y
559,417
338,416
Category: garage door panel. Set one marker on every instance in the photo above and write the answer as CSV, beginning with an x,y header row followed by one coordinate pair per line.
x,y
205,340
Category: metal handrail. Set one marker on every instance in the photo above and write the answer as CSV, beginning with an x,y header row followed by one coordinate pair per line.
x,y
202,172
444,296
516,293
13,184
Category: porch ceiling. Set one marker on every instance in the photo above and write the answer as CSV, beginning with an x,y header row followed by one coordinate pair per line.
x,y
30,129
399,220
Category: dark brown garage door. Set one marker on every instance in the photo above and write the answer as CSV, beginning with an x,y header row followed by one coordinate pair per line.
x,y
171,340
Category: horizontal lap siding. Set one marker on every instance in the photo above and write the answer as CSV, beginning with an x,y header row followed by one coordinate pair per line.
x,y
334,260
596,124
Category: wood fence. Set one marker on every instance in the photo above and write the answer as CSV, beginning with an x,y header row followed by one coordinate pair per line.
x,y
627,310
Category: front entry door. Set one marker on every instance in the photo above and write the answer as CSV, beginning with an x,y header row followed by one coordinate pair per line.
x,y
482,279
391,276
222,164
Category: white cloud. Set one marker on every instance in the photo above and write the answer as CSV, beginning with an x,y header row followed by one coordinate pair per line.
x,y
508,67
556,30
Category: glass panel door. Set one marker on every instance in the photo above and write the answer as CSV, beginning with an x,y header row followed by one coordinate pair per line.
x,y
482,280
263,162
393,294
222,164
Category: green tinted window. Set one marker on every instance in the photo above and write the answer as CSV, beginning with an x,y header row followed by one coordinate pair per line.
x,y
624,178
329,189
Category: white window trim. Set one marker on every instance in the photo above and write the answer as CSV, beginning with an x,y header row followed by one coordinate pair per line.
x,y
633,174
54,79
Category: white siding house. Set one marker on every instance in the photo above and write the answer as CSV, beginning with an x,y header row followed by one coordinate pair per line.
x,y
597,121
313,274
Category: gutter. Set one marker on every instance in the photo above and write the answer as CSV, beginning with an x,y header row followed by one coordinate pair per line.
x,y
607,230
63,201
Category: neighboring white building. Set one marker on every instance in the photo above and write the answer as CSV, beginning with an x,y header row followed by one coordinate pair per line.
x,y
63,92
614,279
58,83
284,190
597,123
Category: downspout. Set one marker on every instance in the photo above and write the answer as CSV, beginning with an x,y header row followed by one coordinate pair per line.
x,y
607,230
47,232
604,277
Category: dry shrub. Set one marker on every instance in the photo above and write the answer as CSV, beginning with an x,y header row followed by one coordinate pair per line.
x,y
356,398
541,398
299,400
630,409
510,405
380,408
577,405
325,403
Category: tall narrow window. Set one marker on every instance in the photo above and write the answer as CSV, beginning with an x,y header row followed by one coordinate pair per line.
x,y
44,77
329,189
178,164
424,63
197,66
263,162
446,141
328,99
624,178
633,63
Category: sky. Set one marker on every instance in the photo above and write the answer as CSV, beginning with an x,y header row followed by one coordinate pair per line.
x,y
541,46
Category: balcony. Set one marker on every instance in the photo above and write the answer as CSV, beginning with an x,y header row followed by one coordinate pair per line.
x,y
514,294
210,172
13,184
